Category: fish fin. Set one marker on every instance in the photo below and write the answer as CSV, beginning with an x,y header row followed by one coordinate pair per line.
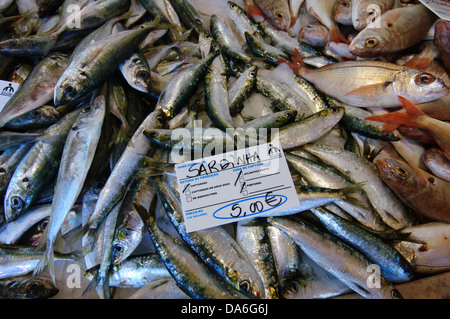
x,y
395,119
419,63
93,284
148,216
42,242
389,128
83,231
369,154
105,286
296,63
337,36
253,10
410,108
347,191
153,168
46,259
366,90
78,255
59,243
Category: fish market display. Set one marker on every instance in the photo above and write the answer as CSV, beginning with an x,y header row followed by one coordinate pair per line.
x,y
112,94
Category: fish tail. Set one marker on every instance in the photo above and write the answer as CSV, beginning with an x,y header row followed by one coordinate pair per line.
x,y
410,108
49,46
395,119
148,216
296,63
46,259
84,229
93,284
253,10
347,191
419,63
337,36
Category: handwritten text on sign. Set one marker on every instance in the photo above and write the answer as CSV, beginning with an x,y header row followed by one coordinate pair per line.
x,y
234,186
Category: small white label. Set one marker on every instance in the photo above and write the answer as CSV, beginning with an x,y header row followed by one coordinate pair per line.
x,y
7,90
440,7
235,186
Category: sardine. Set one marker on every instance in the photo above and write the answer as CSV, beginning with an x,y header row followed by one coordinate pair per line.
x,y
27,287
394,267
76,159
37,168
391,209
339,259
215,246
37,89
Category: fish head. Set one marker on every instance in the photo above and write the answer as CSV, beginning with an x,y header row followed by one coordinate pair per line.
x,y
292,289
342,12
17,199
316,35
91,113
139,74
37,288
280,19
370,42
365,13
418,86
45,114
397,174
125,242
70,87
247,281
234,8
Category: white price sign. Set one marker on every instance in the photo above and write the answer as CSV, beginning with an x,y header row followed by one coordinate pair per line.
x,y
235,186
440,7
7,90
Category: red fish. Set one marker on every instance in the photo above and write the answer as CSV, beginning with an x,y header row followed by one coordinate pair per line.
x,y
416,118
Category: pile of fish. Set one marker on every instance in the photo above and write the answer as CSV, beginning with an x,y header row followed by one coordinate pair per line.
x,y
359,93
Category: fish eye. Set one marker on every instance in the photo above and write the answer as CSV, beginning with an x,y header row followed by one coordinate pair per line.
x,y
152,134
424,79
371,43
119,248
396,294
291,288
279,15
44,223
86,110
244,285
334,110
2,170
233,5
36,113
143,75
98,187
344,4
70,90
252,74
160,119
401,172
16,202
32,287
